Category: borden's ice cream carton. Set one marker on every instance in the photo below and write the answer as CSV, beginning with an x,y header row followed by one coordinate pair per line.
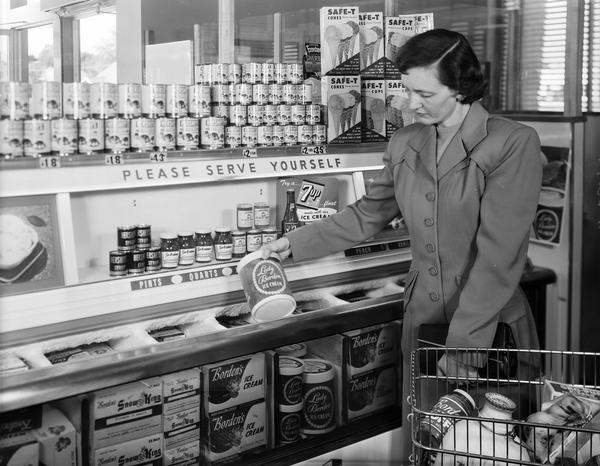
x,y
397,112
233,382
146,450
370,391
398,29
340,42
235,430
372,64
373,110
341,95
125,412
19,448
57,439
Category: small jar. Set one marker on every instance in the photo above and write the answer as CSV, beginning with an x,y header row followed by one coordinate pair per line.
x,y
204,246
268,235
253,240
262,215
187,248
245,216
239,243
223,244
136,262
169,246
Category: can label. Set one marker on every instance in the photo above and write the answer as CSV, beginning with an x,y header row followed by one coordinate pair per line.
x,y
243,93
219,73
239,245
91,135
260,94
281,73
289,427
187,256
278,136
313,114
177,100
188,133
17,106
238,115
165,133
116,134
199,100
169,259
223,251
298,114
136,261
268,236
305,93
295,73
284,114
76,100
118,263
46,100
205,77
262,215
104,100
212,133
268,73
270,115
319,134
256,115
126,238
249,136
64,136
305,134
265,283
221,111
130,100
290,94
318,412
245,217
11,142
37,137
233,136
252,73
221,94
291,135
204,253
264,135
143,134
276,94
154,98
235,73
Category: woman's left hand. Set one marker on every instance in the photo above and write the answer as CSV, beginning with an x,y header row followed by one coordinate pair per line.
x,y
456,371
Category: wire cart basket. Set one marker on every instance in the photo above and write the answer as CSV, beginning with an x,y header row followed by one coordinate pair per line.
x,y
525,407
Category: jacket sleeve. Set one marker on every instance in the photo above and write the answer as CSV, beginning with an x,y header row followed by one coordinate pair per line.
x,y
507,209
355,223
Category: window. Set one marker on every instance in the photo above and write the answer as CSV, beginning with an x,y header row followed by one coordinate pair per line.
x,y
591,57
97,48
3,56
40,53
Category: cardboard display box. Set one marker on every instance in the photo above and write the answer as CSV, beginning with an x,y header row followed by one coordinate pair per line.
x,y
340,41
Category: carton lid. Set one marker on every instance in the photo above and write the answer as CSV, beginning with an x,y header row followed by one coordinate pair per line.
x,y
253,256
274,307
291,408
295,350
290,366
317,371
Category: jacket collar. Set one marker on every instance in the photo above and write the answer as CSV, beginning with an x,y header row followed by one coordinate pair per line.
x,y
472,132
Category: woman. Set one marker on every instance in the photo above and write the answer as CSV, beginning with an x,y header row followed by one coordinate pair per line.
x,y
467,184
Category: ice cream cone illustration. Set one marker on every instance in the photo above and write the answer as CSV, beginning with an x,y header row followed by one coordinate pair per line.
x,y
355,30
357,101
395,41
394,107
333,39
371,39
377,115
349,105
335,106
346,34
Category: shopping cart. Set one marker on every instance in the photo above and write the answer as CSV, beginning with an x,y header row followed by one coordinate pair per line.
x,y
456,434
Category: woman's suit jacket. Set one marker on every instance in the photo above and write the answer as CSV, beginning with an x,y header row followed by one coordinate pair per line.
x,y
469,219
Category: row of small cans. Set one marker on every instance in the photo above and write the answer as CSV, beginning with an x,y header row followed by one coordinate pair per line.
x,y
32,138
250,73
257,115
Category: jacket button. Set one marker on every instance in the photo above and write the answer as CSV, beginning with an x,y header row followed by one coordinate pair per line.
x,y
430,196
434,296
433,271
428,222
430,247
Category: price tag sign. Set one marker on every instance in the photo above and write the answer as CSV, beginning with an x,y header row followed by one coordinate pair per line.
x,y
49,162
250,152
113,159
158,156
313,150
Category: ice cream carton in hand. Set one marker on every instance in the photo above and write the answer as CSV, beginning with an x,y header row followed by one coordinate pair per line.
x,y
398,29
371,35
342,96
397,111
373,110
340,42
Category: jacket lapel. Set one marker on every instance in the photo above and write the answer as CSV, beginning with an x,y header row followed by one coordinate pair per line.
x,y
471,132
422,151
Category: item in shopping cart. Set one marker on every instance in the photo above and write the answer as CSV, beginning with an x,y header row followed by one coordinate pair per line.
x,y
434,424
578,445
266,287
492,436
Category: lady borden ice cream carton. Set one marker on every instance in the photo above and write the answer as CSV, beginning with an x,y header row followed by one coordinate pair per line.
x,y
340,41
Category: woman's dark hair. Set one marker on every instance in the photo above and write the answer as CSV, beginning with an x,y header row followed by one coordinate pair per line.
x,y
458,66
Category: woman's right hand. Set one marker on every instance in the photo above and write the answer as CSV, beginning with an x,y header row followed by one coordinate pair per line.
x,y
281,246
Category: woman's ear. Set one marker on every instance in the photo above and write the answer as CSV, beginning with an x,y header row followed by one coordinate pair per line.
x,y
460,97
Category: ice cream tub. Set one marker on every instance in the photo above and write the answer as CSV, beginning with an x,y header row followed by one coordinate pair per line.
x,y
266,287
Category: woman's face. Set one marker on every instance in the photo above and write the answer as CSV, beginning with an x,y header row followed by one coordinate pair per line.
x,y
430,100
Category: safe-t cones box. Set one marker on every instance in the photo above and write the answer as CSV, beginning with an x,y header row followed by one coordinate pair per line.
x,y
397,112
341,95
398,29
340,42
372,64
